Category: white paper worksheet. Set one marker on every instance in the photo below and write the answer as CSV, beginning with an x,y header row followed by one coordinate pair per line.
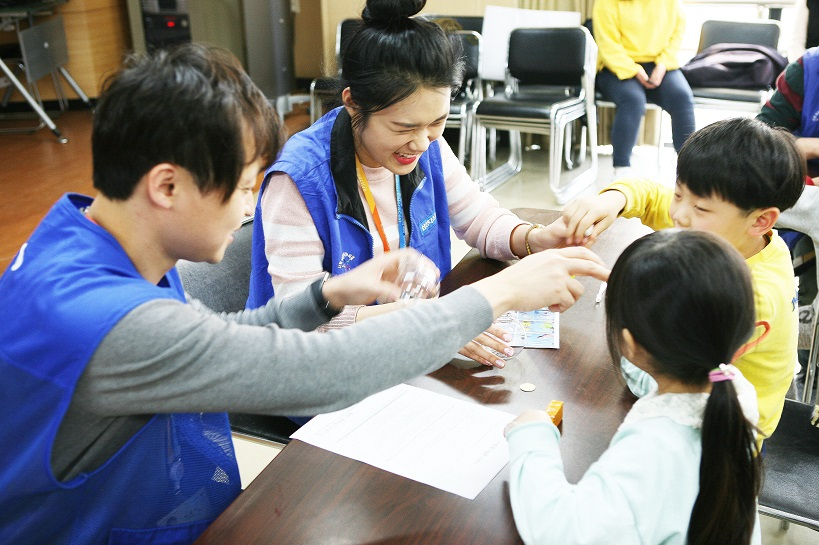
x,y
431,438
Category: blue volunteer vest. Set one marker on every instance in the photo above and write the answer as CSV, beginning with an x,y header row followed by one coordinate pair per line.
x,y
810,104
64,291
321,162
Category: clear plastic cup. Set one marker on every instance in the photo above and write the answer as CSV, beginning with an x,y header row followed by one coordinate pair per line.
x,y
509,323
418,277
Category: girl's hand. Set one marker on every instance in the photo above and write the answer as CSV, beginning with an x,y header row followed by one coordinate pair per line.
x,y
532,415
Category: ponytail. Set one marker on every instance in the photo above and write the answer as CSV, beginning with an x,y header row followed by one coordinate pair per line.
x,y
725,510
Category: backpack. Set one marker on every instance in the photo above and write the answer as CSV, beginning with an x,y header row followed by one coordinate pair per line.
x,y
736,66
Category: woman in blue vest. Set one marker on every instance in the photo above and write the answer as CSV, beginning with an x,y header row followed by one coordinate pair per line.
x,y
116,385
375,174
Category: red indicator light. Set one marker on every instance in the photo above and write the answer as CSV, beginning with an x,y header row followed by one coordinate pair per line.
x,y
171,24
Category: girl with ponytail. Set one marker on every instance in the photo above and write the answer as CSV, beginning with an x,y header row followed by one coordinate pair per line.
x,y
683,467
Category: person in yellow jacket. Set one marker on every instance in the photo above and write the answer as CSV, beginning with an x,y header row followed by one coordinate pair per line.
x,y
734,177
638,42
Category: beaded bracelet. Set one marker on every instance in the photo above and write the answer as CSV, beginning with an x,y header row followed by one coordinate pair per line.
x,y
526,236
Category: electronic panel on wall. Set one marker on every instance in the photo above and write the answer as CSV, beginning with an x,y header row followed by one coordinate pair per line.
x,y
166,23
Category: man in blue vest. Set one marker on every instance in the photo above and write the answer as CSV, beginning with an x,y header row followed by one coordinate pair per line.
x,y
116,385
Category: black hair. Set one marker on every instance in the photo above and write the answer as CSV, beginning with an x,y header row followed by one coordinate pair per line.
x,y
745,162
394,54
191,106
686,298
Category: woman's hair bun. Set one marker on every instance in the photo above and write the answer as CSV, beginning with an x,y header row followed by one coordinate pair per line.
x,y
387,11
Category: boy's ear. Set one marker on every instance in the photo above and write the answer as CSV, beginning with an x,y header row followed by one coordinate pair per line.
x,y
765,221
161,184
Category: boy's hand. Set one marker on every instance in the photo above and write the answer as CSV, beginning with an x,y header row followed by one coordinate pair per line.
x,y
587,217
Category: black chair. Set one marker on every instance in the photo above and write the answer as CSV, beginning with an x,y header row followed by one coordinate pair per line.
x,y
751,32
802,218
324,91
790,489
470,92
549,86
465,22
224,287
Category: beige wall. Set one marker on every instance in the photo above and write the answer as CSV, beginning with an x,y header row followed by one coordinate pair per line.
x,y
307,36
331,12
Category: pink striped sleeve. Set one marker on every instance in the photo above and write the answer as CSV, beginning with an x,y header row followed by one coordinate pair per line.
x,y
476,217
293,248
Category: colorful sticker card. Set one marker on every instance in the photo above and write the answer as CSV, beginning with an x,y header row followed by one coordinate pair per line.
x,y
541,328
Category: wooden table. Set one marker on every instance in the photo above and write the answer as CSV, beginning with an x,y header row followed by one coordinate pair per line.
x,y
311,496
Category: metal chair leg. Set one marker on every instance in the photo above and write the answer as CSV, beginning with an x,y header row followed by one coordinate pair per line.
x,y
33,103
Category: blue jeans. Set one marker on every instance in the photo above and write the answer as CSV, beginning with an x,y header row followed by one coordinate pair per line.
x,y
673,95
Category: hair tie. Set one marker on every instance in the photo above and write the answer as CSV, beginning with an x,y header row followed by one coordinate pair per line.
x,y
721,373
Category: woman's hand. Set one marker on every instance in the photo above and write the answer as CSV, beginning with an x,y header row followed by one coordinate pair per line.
x,y
496,338
554,235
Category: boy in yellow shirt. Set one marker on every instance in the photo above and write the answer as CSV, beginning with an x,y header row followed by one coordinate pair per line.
x,y
734,177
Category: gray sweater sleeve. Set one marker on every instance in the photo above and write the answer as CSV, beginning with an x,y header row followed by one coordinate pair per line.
x,y
166,356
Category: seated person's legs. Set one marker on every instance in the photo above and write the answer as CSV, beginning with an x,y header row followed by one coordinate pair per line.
x,y
675,97
630,98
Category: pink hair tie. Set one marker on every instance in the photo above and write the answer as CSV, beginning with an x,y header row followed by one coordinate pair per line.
x,y
718,374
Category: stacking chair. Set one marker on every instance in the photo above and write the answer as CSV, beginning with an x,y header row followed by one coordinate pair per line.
x,y
802,218
470,92
549,85
325,89
466,22
752,32
223,287
790,487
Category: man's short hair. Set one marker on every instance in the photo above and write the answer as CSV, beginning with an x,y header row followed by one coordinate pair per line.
x,y
191,106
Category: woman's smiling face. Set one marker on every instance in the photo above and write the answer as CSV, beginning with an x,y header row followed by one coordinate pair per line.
x,y
396,136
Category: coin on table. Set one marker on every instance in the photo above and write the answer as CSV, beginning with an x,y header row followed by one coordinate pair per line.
x,y
527,387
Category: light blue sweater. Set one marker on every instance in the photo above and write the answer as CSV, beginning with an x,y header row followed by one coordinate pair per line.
x,y
640,491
